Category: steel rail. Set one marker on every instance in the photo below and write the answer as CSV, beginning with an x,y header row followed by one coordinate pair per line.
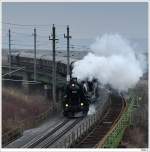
x,y
123,109
34,142
53,140
103,127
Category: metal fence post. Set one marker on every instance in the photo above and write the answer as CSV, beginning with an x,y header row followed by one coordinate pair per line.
x,y
83,126
65,141
77,133
73,137
80,130
69,143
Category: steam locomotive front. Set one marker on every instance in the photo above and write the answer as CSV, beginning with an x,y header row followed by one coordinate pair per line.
x,y
75,100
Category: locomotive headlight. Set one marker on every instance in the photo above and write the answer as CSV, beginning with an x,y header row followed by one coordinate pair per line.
x,y
66,105
81,104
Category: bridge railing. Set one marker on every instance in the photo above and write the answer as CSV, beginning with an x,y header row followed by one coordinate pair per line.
x,y
80,130
114,136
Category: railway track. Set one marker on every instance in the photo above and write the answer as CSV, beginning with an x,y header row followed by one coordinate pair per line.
x,y
48,139
40,138
103,126
56,138
51,138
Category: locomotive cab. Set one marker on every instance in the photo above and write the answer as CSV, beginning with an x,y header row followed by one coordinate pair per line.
x,y
75,99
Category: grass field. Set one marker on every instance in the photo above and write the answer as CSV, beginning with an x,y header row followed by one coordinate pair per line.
x,y
17,107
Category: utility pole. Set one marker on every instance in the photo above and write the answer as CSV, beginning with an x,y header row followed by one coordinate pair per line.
x,y
34,54
9,55
54,64
68,53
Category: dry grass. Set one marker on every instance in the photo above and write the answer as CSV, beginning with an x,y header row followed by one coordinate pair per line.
x,y
137,135
134,138
17,107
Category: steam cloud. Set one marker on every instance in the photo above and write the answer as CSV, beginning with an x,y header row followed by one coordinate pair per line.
x,y
112,61
92,110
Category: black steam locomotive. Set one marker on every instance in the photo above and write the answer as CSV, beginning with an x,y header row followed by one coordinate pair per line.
x,y
78,96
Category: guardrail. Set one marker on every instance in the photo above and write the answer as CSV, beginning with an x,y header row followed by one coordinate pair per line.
x,y
114,136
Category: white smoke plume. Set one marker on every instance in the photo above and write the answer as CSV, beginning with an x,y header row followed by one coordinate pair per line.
x,y
92,110
112,61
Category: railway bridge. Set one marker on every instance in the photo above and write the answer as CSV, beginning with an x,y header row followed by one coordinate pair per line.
x,y
105,128
22,70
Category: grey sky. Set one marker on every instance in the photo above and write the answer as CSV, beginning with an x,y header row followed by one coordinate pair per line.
x,y
86,20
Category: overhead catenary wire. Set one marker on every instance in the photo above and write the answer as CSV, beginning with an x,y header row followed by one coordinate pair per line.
x,y
42,39
38,26
46,36
6,43
25,82
24,34
18,28
29,35
23,45
32,25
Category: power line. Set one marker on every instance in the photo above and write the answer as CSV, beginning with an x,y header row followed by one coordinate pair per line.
x,y
42,36
42,45
19,40
17,27
23,45
14,24
44,30
25,34
32,25
5,43
25,82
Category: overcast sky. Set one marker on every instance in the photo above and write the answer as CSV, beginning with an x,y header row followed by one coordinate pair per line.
x,y
86,20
